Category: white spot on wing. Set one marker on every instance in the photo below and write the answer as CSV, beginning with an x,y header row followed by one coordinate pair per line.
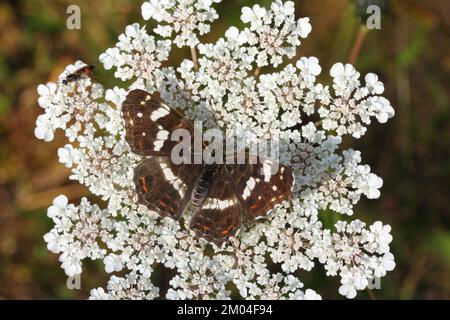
x,y
157,145
161,137
251,183
213,203
159,113
267,170
176,182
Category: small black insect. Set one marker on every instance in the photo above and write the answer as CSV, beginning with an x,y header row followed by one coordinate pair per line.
x,y
83,71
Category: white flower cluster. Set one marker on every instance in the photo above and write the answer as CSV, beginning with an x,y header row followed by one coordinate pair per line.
x,y
357,254
136,48
187,19
225,88
274,33
354,101
76,233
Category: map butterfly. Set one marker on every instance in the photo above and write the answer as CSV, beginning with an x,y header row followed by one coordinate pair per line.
x,y
217,195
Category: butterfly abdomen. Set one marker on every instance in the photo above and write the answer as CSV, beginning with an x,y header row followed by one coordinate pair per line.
x,y
201,189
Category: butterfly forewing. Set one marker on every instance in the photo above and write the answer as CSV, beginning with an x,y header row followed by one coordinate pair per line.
x,y
165,187
220,215
261,186
149,123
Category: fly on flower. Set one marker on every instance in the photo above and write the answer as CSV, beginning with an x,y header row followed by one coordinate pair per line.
x,y
215,194
79,73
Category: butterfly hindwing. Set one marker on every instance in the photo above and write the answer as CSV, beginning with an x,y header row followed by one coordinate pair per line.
x,y
165,187
149,123
261,186
220,214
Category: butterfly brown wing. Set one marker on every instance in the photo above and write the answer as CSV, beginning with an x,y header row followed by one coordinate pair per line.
x,y
149,123
261,186
220,214
164,187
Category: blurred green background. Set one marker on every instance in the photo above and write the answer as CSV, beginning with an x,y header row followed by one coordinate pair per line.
x,y
411,54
